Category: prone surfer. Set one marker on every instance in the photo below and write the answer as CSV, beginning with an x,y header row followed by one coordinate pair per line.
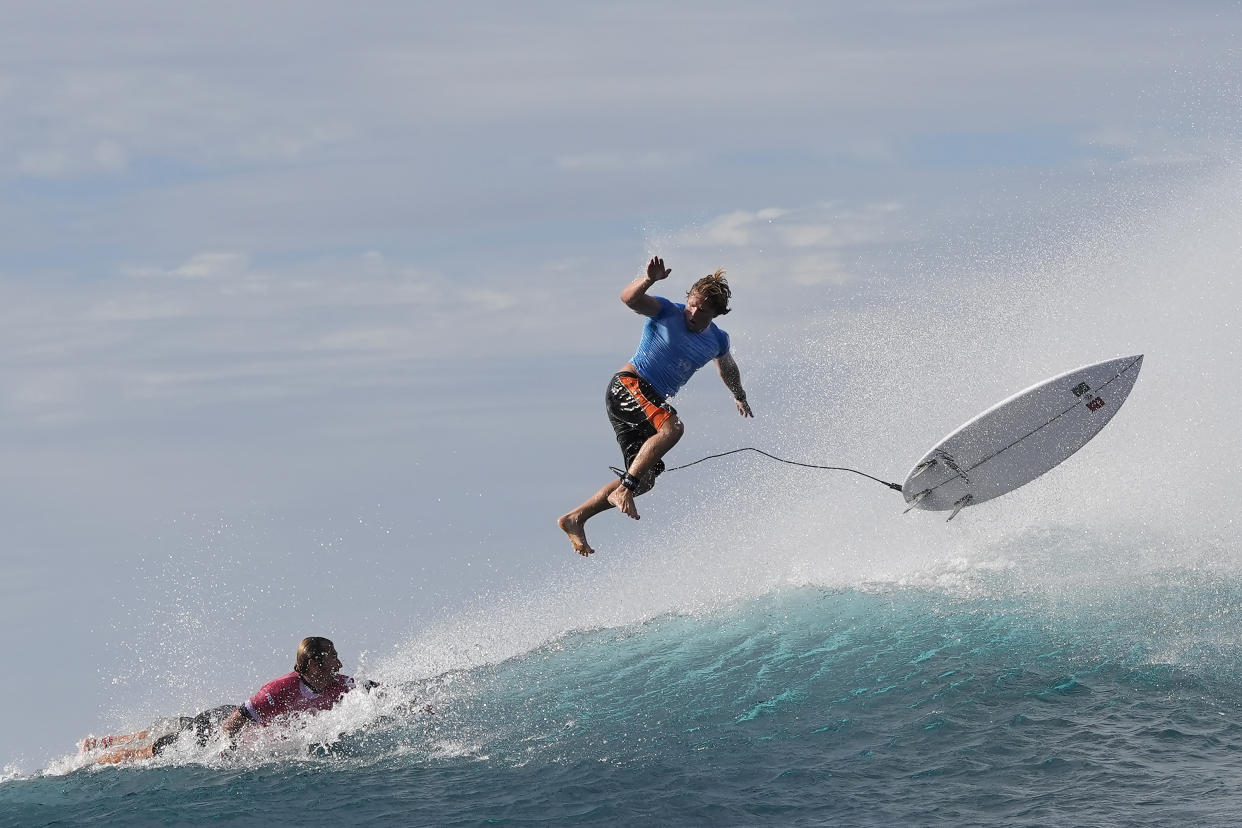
x,y
677,341
313,685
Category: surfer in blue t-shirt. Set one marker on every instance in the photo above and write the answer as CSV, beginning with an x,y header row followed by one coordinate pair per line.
x,y
677,341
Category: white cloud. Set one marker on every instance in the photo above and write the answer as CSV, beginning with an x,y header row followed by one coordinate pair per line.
x,y
607,162
282,145
489,301
137,308
106,157
367,339
823,225
812,235
110,156
804,246
213,266
819,269
45,397
216,326
47,163
736,229
69,120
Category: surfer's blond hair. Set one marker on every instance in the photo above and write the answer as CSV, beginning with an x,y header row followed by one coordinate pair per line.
x,y
714,290
311,649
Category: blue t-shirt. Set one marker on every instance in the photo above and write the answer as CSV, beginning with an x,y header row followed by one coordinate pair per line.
x,y
669,353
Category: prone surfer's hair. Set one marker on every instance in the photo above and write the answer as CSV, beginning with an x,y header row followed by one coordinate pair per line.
x,y
311,649
714,290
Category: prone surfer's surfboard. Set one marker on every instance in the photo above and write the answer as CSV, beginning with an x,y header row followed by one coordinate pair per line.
x,y
1020,438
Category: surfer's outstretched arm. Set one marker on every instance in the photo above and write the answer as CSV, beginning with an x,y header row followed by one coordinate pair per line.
x,y
732,376
635,294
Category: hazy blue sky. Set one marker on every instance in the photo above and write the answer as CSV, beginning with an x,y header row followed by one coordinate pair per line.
x,y
306,312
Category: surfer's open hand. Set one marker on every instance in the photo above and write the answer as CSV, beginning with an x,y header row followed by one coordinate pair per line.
x,y
656,270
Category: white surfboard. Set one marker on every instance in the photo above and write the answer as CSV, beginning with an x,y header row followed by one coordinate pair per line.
x,y
1017,440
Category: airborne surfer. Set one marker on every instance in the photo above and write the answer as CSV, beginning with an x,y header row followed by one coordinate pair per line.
x,y
677,340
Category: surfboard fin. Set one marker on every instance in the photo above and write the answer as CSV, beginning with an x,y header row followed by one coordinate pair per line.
x,y
922,467
961,504
916,500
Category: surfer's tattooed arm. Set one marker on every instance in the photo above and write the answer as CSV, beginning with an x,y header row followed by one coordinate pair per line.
x,y
635,294
732,376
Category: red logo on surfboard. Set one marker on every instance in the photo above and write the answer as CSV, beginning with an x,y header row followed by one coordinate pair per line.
x,y
1095,404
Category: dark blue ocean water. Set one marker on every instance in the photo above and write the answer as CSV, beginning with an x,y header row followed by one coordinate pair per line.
x,y
1005,699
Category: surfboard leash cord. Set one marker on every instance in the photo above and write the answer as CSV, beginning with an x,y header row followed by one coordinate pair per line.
x,y
894,486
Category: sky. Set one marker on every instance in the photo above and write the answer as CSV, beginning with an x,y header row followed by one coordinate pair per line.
x,y
306,311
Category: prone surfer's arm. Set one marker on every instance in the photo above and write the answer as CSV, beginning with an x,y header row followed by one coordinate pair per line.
x,y
234,723
635,294
732,376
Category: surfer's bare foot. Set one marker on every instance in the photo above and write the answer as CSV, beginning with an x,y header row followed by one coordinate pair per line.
x,y
577,536
623,499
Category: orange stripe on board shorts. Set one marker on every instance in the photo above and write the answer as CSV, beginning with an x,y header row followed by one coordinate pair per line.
x,y
636,411
655,412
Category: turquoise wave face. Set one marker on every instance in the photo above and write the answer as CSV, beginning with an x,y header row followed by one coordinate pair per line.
x,y
866,705
849,671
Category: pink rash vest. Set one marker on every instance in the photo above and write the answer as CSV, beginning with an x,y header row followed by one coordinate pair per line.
x,y
289,694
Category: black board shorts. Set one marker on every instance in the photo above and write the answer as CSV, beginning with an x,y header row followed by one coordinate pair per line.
x,y
636,411
203,725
